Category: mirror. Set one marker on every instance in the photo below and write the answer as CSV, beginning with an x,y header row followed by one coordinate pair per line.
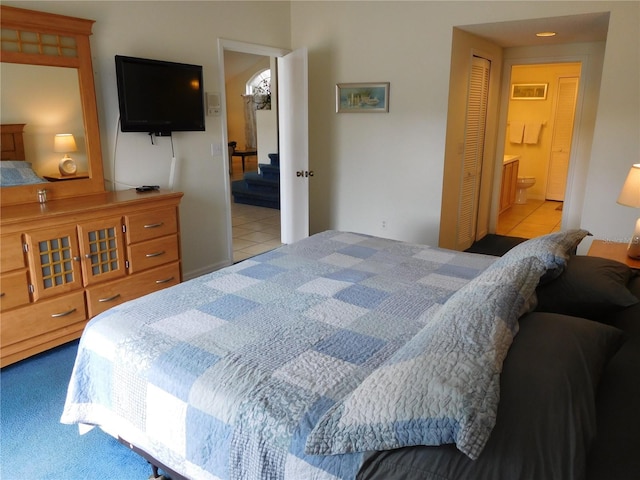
x,y
47,84
46,108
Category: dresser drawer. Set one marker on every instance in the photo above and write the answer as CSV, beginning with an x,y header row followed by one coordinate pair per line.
x,y
42,318
11,253
152,224
14,290
153,253
103,297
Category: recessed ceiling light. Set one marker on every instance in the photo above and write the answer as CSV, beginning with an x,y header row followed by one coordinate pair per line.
x,y
546,34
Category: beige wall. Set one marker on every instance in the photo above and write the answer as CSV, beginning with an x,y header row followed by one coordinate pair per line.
x,y
368,168
187,32
375,167
235,89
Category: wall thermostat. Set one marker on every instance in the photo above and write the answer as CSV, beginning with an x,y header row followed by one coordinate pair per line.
x,y
213,104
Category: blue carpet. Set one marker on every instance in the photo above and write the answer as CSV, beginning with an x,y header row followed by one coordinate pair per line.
x,y
35,445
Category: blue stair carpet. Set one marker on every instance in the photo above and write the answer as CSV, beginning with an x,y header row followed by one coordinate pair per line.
x,y
261,189
36,446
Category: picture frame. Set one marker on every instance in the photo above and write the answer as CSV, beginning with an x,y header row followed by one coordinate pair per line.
x,y
529,91
362,97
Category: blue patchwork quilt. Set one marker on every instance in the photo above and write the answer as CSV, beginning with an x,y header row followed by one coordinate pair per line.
x,y
292,364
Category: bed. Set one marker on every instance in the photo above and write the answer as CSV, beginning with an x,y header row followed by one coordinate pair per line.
x,y
349,356
14,169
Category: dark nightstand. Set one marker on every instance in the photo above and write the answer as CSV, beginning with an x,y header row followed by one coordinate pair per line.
x,y
613,251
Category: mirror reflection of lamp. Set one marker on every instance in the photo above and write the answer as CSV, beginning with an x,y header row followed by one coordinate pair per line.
x,y
65,143
630,196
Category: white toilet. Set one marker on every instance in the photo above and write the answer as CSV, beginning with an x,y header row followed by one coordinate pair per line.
x,y
521,188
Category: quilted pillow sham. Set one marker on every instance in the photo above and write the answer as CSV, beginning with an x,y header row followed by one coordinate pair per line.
x,y
443,386
553,250
17,172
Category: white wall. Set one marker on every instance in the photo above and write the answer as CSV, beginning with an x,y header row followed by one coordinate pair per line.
x,y
368,168
374,167
186,32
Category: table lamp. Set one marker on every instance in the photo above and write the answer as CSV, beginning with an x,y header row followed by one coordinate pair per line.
x,y
65,143
630,196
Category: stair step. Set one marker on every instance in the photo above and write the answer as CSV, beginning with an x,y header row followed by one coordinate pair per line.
x,y
270,171
243,194
257,179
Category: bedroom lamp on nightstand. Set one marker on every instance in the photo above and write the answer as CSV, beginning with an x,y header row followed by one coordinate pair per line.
x,y
65,143
630,196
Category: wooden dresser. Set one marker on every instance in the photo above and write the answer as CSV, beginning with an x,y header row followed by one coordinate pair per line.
x,y
65,261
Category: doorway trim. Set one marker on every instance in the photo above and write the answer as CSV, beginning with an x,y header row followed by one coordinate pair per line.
x,y
242,47
578,160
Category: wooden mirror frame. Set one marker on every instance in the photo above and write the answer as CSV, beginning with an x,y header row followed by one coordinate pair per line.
x,y
71,49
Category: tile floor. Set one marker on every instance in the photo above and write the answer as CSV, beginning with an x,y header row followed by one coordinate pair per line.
x,y
536,217
255,229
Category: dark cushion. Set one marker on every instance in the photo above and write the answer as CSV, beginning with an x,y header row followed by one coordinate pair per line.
x,y
627,319
589,287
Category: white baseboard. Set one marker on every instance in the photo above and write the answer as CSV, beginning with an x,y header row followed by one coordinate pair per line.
x,y
203,270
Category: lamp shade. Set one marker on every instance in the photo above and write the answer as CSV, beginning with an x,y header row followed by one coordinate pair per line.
x,y
630,194
64,142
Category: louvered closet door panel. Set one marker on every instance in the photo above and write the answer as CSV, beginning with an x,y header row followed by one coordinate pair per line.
x,y
473,151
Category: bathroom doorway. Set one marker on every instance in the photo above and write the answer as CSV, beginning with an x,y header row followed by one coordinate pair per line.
x,y
540,132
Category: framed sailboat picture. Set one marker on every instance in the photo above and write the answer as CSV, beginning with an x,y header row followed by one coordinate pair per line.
x,y
362,97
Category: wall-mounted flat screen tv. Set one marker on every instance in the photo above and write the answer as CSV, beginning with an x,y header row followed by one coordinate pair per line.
x,y
159,97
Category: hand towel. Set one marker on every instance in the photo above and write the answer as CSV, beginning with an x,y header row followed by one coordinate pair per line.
x,y
532,132
516,130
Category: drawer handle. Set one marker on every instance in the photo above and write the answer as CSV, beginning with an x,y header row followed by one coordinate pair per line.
x,y
63,314
2,294
166,280
108,299
154,225
157,254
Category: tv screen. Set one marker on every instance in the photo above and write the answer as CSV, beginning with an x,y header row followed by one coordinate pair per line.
x,y
159,97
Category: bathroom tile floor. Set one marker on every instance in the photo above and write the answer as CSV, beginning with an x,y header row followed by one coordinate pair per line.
x,y
535,218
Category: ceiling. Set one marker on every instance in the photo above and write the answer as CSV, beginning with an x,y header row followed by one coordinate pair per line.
x,y
589,27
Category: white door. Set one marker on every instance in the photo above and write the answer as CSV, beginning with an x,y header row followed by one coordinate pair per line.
x,y
561,138
294,145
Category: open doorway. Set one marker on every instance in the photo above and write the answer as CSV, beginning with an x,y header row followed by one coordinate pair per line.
x,y
537,148
515,43
251,118
293,135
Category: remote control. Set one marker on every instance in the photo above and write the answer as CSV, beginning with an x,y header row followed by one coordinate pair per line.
x,y
147,188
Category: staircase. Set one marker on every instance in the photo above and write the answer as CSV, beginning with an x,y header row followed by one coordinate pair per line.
x,y
260,188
